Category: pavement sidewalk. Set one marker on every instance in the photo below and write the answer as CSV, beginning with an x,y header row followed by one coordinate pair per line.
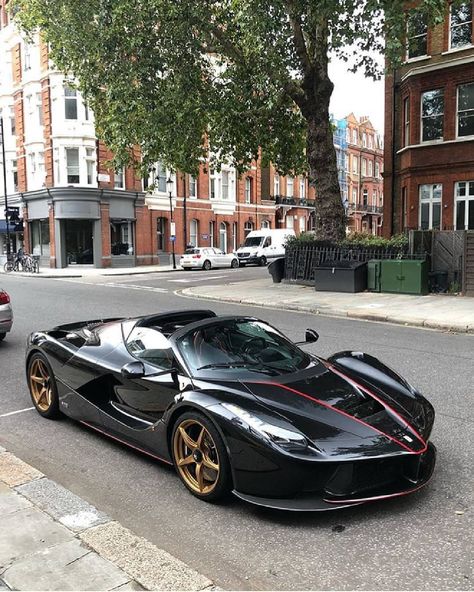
x,y
75,271
50,539
436,311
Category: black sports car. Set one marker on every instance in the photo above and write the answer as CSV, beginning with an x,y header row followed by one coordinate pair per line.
x,y
234,405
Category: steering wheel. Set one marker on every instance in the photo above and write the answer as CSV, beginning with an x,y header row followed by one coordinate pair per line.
x,y
252,345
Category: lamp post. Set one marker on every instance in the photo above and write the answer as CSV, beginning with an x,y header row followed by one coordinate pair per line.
x,y
169,186
2,133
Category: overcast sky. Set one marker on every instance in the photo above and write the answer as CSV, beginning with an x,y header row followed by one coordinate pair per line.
x,y
354,92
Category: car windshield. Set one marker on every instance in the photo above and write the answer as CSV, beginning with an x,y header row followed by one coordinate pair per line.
x,y
236,343
253,241
191,252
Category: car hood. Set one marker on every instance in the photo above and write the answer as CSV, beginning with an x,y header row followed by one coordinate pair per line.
x,y
340,416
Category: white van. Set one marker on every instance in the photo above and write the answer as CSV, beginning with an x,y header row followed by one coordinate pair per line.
x,y
263,245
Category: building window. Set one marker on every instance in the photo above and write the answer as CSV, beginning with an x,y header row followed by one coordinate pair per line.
x,y
302,223
160,178
12,121
39,232
86,111
248,190
192,187
364,167
193,233
234,236
354,136
464,216
377,170
371,168
406,121
161,233
15,175
302,187
121,237
41,169
70,102
72,165
461,25
430,207
374,197
212,187
365,197
211,233
248,227
404,209
355,165
90,162
225,184
364,140
371,141
417,35
354,195
290,221
223,237
26,57
265,224
276,184
290,186
119,181
466,110
432,115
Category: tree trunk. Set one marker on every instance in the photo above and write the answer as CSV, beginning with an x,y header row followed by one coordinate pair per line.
x,y
323,174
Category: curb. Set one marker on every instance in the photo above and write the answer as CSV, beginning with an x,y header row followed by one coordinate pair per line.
x,y
49,525
84,275
350,314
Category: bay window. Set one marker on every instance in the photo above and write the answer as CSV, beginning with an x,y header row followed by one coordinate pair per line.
x,y
432,115
72,165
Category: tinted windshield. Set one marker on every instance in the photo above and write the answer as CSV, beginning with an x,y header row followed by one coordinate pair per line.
x,y
253,241
231,344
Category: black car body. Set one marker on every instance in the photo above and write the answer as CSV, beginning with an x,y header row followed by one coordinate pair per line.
x,y
298,432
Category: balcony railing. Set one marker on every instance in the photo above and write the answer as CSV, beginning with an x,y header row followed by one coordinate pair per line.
x,y
365,209
297,202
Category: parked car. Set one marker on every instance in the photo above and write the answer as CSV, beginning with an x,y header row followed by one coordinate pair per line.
x,y
235,406
6,314
263,245
207,258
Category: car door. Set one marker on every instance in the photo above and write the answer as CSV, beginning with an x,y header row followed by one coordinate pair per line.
x,y
221,259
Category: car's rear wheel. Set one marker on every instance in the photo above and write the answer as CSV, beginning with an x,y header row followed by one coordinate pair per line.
x,y
42,385
234,264
262,261
206,265
200,457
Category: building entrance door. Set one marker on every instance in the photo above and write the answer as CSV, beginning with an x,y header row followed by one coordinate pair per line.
x,y
79,242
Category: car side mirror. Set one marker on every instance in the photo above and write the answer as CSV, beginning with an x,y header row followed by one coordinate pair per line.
x,y
133,370
311,336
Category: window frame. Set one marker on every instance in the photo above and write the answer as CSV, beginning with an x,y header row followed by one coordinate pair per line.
x,y
431,201
465,110
68,99
452,47
409,57
422,117
467,198
406,121
68,167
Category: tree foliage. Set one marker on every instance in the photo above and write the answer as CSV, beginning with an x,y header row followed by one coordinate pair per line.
x,y
164,74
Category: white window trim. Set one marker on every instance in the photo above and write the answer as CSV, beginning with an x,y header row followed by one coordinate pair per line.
x,y
458,137
431,201
466,198
438,140
78,148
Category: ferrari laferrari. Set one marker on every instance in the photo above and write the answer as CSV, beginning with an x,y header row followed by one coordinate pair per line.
x,y
237,407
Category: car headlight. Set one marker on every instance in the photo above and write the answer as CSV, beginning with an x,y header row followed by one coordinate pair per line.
x,y
289,440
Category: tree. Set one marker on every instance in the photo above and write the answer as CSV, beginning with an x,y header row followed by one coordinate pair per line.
x,y
165,74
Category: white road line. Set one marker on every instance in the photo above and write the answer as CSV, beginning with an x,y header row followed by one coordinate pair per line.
x,y
133,287
15,412
202,279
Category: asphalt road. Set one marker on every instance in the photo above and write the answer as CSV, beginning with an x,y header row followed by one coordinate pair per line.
x,y
422,542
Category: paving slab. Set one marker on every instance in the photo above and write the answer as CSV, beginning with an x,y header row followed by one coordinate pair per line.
x,y
28,531
10,501
67,566
14,471
62,504
151,567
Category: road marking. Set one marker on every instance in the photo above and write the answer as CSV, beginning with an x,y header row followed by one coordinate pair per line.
x,y
132,287
202,279
15,412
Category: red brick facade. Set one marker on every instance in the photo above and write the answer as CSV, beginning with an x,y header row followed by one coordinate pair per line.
x,y
414,164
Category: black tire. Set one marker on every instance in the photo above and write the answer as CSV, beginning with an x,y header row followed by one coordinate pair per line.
x,y
52,412
234,264
8,267
262,261
206,265
241,264
223,484
2,336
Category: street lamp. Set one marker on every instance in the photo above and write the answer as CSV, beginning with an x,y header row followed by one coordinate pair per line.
x,y
169,186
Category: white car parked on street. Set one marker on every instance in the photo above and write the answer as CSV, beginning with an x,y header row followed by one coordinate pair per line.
x,y
207,258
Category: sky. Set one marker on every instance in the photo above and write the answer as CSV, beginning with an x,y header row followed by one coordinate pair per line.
x,y
354,92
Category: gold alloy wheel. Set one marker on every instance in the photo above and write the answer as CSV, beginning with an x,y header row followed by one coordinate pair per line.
x,y
196,456
40,385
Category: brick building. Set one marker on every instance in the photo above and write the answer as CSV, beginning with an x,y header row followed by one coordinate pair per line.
x,y
429,133
364,167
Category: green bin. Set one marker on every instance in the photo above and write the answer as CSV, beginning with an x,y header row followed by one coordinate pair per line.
x,y
404,276
374,270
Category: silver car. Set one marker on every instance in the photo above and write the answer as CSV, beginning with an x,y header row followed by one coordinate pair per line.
x,y
6,314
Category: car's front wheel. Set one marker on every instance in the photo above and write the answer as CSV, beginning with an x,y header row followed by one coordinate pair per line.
x,y
42,385
234,264
206,265
200,457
